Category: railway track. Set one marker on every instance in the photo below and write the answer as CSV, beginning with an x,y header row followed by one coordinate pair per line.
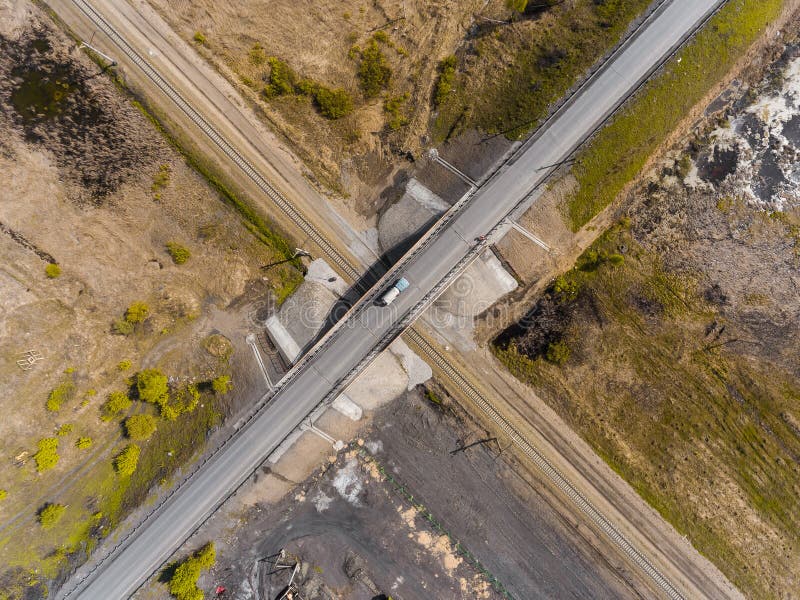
x,y
227,148
544,465
348,269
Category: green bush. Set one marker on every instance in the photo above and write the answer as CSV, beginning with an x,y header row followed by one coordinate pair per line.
x,y
59,395
153,386
374,72
282,79
180,254
137,312
557,353
519,5
199,38
122,327
47,456
52,270
393,107
65,429
3,494
183,582
116,403
140,427
83,443
566,287
125,462
333,104
124,365
447,76
50,515
221,385
185,401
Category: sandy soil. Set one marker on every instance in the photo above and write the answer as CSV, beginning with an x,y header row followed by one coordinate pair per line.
x,y
356,153
89,184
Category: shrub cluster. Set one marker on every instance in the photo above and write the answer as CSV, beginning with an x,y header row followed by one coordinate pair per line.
x,y
221,385
180,254
83,443
447,76
61,394
393,107
183,582
52,270
257,55
282,80
557,353
47,456
116,403
126,461
331,103
140,427
136,313
51,514
153,387
374,72
161,180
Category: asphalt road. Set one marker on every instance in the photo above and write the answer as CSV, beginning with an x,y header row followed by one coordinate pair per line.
x,y
154,541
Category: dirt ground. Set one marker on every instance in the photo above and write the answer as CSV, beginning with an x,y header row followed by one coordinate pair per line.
x,y
358,531
356,154
89,183
672,346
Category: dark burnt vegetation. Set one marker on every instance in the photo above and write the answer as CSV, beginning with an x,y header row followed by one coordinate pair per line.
x,y
68,107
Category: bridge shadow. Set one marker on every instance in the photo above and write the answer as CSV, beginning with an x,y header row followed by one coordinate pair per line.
x,y
371,276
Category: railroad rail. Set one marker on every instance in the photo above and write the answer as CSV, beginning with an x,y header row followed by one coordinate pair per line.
x,y
544,465
227,148
552,473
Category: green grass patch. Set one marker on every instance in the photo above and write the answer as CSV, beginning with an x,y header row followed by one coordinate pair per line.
x,y
517,71
619,150
677,414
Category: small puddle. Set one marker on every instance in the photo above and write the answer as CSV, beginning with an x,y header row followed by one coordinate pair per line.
x,y
40,95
